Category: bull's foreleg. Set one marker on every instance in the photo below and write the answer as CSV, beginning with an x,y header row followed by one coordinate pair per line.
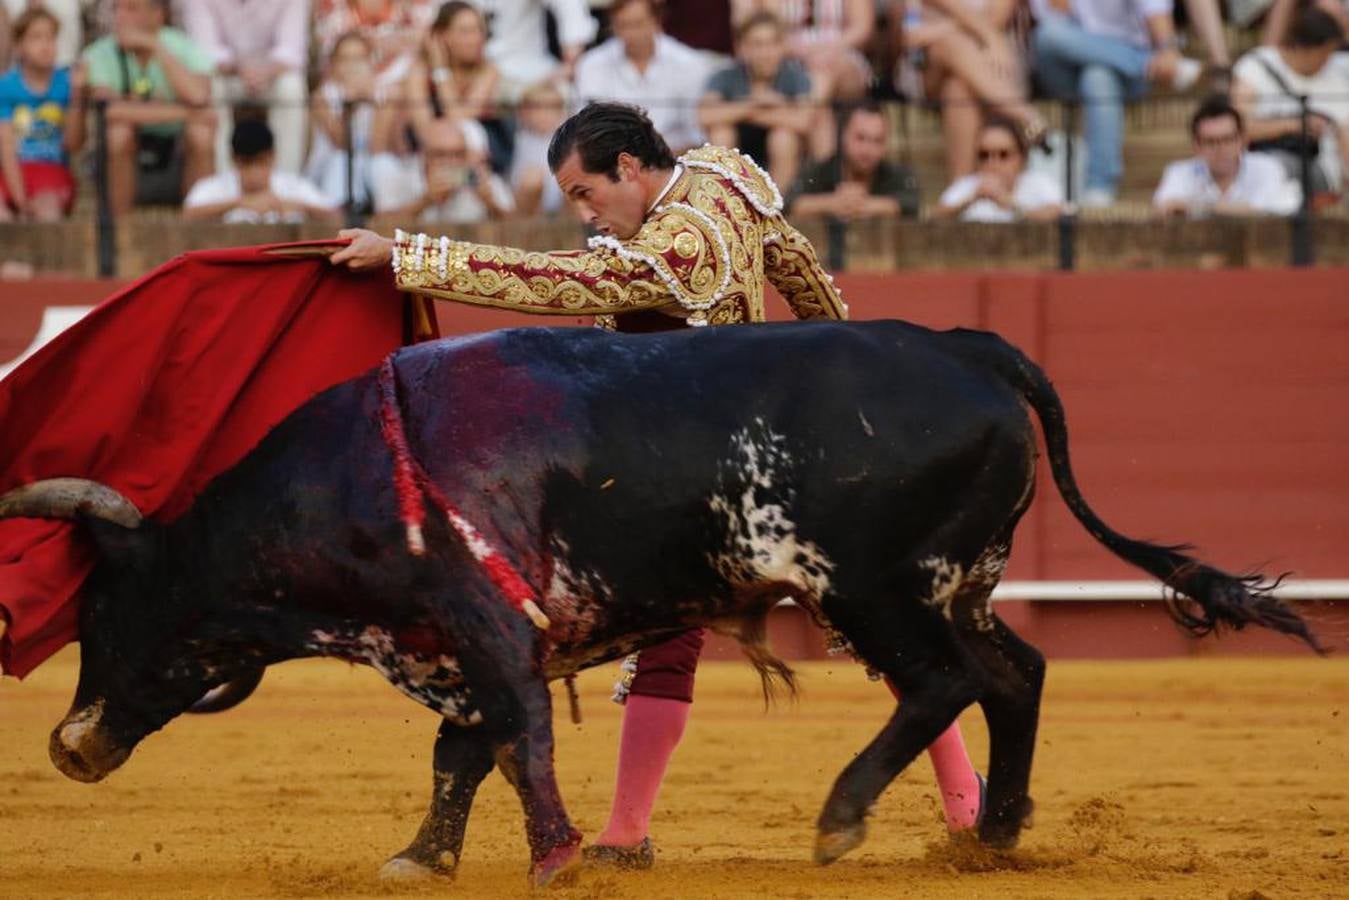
x,y
462,759
527,762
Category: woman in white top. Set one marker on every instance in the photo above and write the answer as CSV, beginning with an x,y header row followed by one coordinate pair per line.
x,y
1268,81
1000,189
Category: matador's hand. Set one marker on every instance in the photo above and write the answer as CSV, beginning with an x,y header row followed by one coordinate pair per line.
x,y
367,250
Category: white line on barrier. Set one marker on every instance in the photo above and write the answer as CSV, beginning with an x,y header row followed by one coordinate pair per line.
x,y
1057,591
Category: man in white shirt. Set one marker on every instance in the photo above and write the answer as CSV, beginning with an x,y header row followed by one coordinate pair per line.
x,y
253,191
1102,53
518,46
645,67
260,49
1222,178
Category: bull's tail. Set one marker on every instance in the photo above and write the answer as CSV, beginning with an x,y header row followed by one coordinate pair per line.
x,y
1200,598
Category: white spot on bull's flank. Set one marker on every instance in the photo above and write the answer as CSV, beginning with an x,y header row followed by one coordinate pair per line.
x,y
434,680
946,578
984,575
866,426
755,502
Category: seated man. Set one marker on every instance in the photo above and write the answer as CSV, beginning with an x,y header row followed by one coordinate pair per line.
x,y
254,191
454,185
161,129
1222,178
260,51
761,103
644,66
857,182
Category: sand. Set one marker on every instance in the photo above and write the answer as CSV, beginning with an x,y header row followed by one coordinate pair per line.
x,y
1222,778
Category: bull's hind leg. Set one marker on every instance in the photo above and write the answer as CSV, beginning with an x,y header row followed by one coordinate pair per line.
x,y
935,678
462,760
1010,699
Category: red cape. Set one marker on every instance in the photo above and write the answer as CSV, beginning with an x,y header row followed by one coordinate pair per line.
x,y
162,387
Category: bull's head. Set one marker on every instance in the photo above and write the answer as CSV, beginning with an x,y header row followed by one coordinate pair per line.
x,y
143,655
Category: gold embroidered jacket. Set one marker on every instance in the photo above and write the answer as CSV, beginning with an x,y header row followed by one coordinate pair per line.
x,y
702,255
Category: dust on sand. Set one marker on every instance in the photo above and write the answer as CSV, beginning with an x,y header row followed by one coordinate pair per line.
x,y
1203,777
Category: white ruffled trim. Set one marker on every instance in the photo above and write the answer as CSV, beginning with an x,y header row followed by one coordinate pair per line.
x,y
399,235
773,209
657,265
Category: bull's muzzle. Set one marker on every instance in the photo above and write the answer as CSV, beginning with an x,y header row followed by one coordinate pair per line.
x,y
81,748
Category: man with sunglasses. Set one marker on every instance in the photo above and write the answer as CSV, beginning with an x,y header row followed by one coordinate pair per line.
x,y
1222,178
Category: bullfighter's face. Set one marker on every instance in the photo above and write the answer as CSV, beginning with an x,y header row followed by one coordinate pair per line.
x,y
613,205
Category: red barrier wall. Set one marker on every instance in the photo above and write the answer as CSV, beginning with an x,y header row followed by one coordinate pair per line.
x,y
1205,407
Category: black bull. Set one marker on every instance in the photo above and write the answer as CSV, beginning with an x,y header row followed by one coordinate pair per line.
x,y
642,484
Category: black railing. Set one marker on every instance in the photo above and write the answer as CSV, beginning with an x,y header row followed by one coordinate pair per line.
x,y
1302,223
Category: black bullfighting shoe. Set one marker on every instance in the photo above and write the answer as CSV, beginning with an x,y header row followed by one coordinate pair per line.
x,y
627,859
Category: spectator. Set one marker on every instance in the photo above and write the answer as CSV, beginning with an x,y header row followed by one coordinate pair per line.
x,y
454,186
41,122
968,63
857,182
830,37
542,109
761,104
1281,13
642,66
453,79
1222,178
70,34
1102,53
349,79
254,190
1267,83
395,29
1001,189
161,128
260,49
519,40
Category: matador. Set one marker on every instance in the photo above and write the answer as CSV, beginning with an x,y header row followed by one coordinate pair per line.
x,y
680,242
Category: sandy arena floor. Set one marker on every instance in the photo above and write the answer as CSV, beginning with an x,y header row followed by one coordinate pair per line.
x,y
1197,778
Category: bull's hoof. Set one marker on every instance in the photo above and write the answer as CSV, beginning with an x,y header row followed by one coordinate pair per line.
x,y
1003,832
402,870
626,859
832,845
559,867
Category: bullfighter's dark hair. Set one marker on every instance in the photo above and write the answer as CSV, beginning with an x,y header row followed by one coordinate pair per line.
x,y
603,130
1313,28
1217,106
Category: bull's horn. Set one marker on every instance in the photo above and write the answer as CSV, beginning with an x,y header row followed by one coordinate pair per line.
x,y
61,498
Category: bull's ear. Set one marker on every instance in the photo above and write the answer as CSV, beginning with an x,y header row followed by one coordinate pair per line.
x,y
131,548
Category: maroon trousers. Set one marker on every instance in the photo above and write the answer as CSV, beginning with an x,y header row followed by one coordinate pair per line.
x,y
666,670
